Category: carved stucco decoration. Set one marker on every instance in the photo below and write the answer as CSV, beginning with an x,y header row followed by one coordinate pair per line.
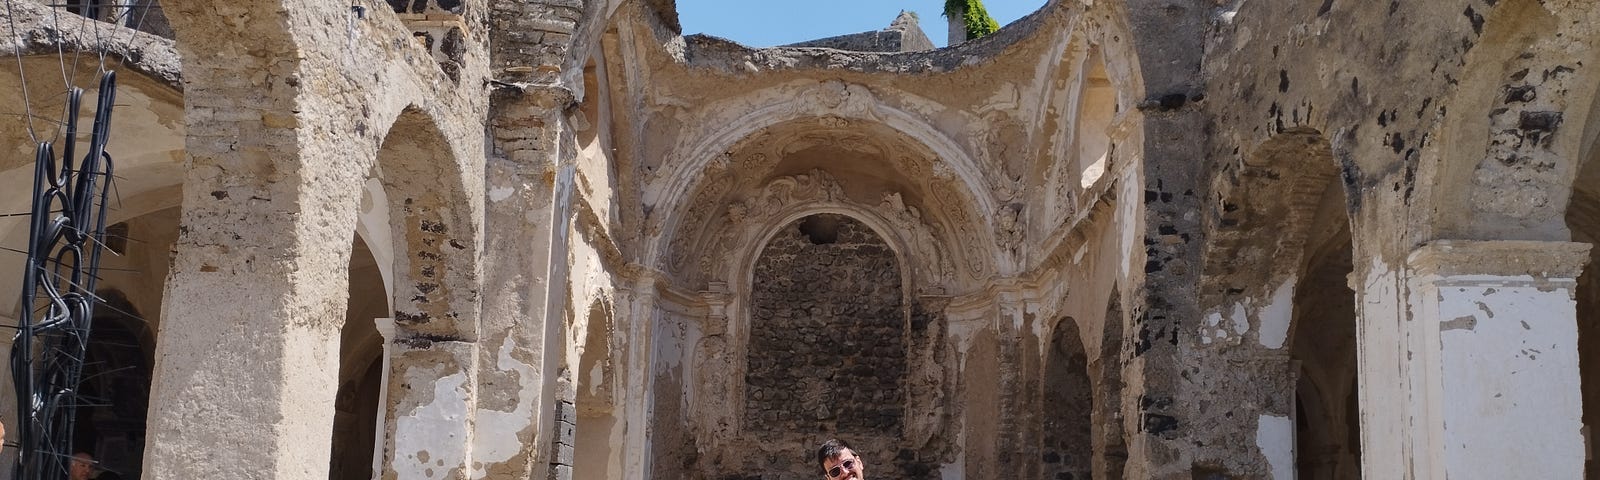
x,y
818,190
679,187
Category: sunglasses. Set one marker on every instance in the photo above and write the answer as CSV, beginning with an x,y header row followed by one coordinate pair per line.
x,y
838,470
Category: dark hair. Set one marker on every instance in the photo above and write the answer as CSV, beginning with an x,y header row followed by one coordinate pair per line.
x,y
831,448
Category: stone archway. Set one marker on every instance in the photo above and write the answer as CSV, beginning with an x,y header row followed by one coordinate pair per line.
x,y
1323,347
1069,406
1280,246
361,352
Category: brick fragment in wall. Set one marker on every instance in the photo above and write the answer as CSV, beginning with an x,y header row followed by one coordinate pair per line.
x,y
562,455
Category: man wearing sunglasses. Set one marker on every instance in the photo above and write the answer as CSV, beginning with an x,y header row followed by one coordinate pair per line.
x,y
839,462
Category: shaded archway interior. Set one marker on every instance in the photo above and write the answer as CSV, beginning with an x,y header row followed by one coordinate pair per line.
x,y
871,163
1583,220
1327,434
1068,406
356,405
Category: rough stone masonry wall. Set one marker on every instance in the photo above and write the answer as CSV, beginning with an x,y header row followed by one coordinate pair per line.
x,y
827,336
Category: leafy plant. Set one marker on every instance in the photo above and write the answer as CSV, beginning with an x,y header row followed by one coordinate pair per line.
x,y
976,19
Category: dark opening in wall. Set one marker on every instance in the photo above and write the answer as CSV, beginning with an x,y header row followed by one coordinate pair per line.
x,y
820,229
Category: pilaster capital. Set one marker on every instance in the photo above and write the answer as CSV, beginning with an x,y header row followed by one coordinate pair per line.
x,y
1536,259
385,328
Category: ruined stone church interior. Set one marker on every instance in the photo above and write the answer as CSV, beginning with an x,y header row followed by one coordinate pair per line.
x,y
559,239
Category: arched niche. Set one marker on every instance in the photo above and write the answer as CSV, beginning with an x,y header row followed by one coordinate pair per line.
x,y
1069,397
1110,437
434,225
1275,285
828,352
761,135
887,172
435,234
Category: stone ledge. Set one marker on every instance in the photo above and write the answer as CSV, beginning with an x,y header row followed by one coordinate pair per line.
x,y
1500,258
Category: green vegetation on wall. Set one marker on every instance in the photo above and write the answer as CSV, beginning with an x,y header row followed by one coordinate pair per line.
x,y
973,15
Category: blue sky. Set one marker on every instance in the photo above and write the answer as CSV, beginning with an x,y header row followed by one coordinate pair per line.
x,y
766,23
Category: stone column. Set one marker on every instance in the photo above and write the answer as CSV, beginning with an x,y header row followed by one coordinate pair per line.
x,y
248,353
1021,395
525,277
385,328
1492,345
640,314
430,399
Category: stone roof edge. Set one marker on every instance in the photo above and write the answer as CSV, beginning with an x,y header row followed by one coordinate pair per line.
x,y
39,31
706,51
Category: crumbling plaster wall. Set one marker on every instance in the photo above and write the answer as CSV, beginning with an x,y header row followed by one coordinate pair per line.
x,y
699,111
286,111
1480,143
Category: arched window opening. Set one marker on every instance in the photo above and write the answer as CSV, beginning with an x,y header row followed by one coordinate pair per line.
x,y
1097,107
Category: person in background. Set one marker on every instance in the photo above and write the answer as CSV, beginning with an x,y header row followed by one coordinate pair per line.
x,y
839,461
82,467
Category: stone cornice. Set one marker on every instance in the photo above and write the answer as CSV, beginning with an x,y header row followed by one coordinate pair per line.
x,y
1500,258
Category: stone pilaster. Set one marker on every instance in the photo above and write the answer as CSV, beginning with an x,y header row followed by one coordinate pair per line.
x,y
1493,363
385,327
639,314
525,270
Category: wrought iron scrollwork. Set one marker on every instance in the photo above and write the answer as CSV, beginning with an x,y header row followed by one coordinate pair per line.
x,y
65,239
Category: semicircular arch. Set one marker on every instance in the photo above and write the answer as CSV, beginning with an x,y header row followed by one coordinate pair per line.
x,y
688,162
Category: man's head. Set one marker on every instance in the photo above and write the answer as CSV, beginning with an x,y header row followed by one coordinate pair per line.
x,y
82,467
839,462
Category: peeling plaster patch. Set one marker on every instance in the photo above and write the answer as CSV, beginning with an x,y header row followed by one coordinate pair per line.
x,y
1274,316
433,435
1275,438
952,471
1466,322
1485,308
1130,217
597,377
1212,320
1240,320
495,440
500,193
